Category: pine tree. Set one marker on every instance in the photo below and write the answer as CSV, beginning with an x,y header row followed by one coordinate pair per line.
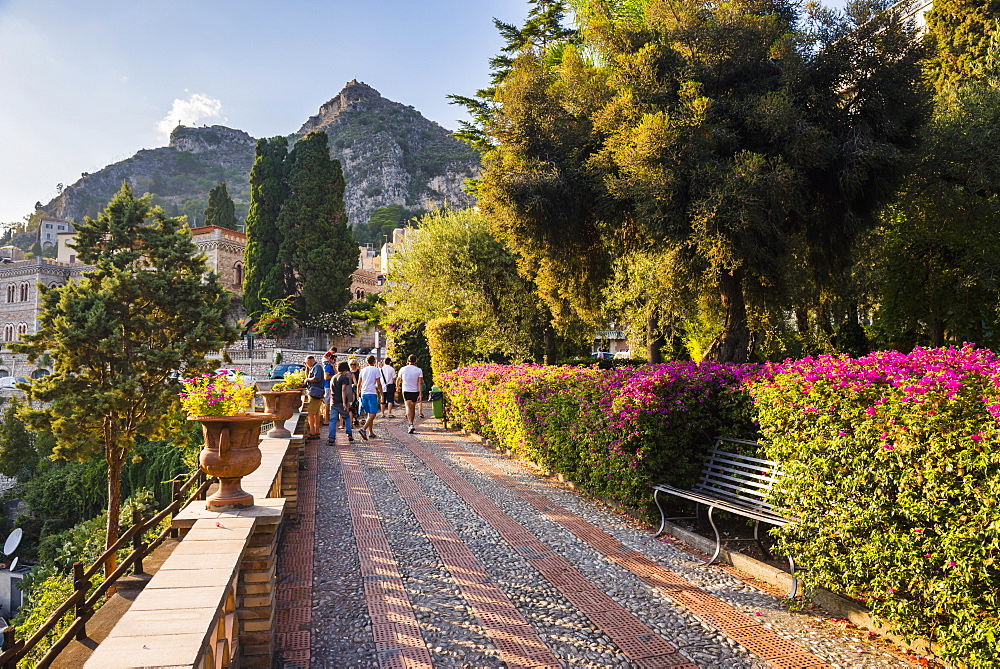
x,y
264,277
221,212
543,33
318,248
148,308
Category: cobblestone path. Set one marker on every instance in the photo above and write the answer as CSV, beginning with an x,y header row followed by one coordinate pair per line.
x,y
432,551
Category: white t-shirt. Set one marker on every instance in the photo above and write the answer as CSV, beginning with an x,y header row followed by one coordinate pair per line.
x,y
388,374
369,375
410,375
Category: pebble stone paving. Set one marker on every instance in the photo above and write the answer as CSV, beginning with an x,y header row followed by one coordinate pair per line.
x,y
430,550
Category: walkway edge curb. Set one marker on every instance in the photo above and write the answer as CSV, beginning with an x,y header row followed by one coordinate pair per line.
x,y
837,605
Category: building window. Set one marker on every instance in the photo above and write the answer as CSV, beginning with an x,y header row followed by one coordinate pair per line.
x,y
39,373
72,258
48,226
10,293
4,372
8,332
239,274
22,329
24,292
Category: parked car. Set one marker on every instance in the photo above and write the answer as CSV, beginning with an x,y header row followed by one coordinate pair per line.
x,y
279,371
601,355
10,382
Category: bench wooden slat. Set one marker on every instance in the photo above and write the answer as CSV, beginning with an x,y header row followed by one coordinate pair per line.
x,y
748,458
759,483
753,514
750,469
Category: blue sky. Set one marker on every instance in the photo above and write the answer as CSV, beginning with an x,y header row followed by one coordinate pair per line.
x,y
85,84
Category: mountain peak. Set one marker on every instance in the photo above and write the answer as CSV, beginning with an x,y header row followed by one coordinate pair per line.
x,y
354,92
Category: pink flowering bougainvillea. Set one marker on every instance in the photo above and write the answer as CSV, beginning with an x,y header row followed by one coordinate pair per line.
x,y
891,462
614,431
895,480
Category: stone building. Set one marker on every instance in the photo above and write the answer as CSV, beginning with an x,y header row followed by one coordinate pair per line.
x,y
224,255
19,306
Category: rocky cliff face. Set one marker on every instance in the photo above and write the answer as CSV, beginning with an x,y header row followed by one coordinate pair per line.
x,y
179,175
390,154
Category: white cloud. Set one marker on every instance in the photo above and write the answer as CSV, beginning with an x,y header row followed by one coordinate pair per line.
x,y
197,108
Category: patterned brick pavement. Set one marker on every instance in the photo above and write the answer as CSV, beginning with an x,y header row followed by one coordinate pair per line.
x,y
420,511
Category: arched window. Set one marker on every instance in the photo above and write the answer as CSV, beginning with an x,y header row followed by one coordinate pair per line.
x,y
39,373
22,329
239,273
8,332
24,291
10,292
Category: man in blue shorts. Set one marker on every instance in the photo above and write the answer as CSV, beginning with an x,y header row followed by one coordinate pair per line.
x,y
370,385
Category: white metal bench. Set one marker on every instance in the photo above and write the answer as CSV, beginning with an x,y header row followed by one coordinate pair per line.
x,y
735,483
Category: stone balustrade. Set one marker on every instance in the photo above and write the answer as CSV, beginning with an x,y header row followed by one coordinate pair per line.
x,y
211,605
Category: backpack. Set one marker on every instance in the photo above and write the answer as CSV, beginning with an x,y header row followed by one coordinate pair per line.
x,y
349,394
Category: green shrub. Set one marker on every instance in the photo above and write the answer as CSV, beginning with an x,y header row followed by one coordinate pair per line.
x,y
448,343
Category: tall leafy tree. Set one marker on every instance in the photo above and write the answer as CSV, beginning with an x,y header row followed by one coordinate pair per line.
x,y
318,249
18,454
148,308
264,273
456,261
938,254
726,129
220,212
959,36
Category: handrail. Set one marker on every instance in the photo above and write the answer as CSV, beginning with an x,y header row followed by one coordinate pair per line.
x,y
13,650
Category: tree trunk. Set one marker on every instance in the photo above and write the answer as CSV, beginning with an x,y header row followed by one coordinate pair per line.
x,y
549,340
654,342
732,344
115,463
801,320
936,328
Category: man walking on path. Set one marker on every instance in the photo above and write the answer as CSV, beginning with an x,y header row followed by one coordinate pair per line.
x,y
314,385
341,397
412,378
329,370
388,373
370,385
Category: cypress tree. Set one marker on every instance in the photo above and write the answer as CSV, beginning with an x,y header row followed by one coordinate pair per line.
x,y
318,249
264,276
221,212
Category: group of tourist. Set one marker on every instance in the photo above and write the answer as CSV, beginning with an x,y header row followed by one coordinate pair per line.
x,y
344,393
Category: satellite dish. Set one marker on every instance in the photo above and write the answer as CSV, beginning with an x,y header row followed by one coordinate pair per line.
x,y
13,565
13,541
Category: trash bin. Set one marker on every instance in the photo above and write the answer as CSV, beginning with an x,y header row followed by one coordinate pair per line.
x,y
437,401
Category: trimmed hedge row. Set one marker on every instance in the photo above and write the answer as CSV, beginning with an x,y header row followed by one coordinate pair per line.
x,y
894,472
892,463
612,431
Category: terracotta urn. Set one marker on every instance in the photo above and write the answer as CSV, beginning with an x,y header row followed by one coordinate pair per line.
x,y
230,453
283,404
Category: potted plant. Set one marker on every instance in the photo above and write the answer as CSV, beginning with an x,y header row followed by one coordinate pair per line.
x,y
283,400
232,433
